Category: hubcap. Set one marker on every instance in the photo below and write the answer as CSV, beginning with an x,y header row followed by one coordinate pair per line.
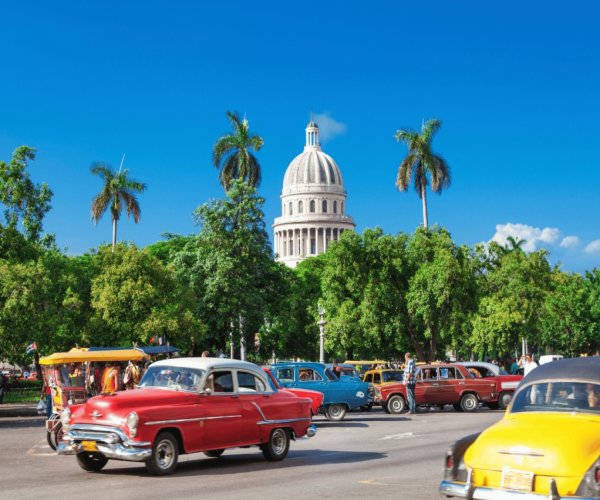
x,y
278,441
165,454
335,411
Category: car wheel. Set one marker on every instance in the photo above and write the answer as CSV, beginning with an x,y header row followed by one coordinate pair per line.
x,y
277,447
396,404
165,453
214,453
335,412
91,462
469,402
386,409
504,399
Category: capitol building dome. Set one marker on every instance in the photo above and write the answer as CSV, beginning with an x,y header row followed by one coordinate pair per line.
x,y
313,204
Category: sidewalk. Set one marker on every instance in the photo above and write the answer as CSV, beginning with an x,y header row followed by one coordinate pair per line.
x,y
18,410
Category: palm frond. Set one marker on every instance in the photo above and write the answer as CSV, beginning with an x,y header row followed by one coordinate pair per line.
x,y
405,172
429,129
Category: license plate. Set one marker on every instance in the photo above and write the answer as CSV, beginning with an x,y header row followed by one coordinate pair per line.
x,y
89,445
517,480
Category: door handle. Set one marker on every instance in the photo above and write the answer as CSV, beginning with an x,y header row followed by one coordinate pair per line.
x,y
435,385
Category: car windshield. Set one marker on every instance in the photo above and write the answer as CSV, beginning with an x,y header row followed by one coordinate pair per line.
x,y
330,375
558,395
392,376
172,377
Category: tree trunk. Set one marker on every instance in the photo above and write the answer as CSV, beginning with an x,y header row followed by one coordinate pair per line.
x,y
424,199
114,238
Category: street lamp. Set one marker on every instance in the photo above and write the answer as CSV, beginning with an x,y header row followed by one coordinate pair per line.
x,y
322,324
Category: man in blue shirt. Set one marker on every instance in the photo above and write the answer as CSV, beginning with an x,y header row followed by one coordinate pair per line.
x,y
410,380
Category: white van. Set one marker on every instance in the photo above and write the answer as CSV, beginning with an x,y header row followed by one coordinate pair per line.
x,y
549,357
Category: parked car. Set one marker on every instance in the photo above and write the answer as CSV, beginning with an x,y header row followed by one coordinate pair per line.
x,y
546,446
438,385
383,376
345,370
185,405
315,396
339,394
505,382
361,366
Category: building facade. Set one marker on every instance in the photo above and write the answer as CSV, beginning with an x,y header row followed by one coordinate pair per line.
x,y
313,204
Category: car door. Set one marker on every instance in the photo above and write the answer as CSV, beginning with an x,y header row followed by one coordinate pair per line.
x,y
255,398
427,387
451,385
287,376
223,418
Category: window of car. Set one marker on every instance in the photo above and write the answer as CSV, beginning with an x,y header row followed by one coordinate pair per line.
x,y
308,374
172,377
220,381
284,375
377,378
369,377
249,382
330,375
429,374
558,396
392,376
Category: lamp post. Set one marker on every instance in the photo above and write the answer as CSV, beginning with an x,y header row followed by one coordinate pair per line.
x,y
322,324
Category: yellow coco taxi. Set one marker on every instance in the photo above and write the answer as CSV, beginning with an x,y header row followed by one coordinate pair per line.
x,y
546,446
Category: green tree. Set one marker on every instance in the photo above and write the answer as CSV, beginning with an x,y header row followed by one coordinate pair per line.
x,y
22,200
229,267
117,192
135,297
232,155
513,292
420,161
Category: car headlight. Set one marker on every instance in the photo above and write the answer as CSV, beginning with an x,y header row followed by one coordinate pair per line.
x,y
132,422
65,418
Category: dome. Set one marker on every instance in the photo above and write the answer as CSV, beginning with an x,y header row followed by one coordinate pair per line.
x,y
312,170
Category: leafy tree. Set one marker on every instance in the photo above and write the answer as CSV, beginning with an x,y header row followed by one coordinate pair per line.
x,y
117,192
135,297
232,156
567,325
21,199
420,161
229,267
513,296
441,292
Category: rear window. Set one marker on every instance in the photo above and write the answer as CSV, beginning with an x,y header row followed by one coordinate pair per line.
x,y
558,396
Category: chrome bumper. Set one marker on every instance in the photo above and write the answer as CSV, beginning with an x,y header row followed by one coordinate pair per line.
x,y
311,431
110,441
464,490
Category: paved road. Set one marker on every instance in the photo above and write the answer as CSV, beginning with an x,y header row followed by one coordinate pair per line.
x,y
367,455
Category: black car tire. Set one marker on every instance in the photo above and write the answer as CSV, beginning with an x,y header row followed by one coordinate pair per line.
x,y
469,402
214,453
165,453
504,399
278,445
91,461
396,404
335,412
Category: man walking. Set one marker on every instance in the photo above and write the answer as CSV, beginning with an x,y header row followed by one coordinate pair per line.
x,y
410,380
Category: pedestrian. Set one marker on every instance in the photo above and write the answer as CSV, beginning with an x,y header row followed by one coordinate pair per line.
x,y
337,369
410,381
110,378
514,367
527,363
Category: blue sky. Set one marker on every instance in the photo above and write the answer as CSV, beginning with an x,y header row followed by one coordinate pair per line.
x,y
514,83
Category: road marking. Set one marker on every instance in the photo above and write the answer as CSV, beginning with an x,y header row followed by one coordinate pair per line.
x,y
378,482
40,445
403,435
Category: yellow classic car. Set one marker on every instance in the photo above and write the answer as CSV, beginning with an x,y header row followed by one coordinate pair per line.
x,y
546,446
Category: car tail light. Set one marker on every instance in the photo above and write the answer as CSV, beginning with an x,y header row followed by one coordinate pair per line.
x,y
597,475
449,461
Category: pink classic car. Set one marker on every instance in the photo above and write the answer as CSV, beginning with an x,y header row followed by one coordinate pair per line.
x,y
186,405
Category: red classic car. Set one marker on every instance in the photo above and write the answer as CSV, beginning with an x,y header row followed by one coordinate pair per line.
x,y
505,382
186,405
439,385
315,396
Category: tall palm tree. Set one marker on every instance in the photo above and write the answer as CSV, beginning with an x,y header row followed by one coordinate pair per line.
x,y
421,161
118,191
231,153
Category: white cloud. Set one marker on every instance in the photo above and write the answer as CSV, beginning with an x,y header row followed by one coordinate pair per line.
x,y
593,247
533,236
328,127
569,242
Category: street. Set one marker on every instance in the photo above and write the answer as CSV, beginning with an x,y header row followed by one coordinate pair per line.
x,y
369,454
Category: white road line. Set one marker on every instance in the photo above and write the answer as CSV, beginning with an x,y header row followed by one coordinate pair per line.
x,y
403,435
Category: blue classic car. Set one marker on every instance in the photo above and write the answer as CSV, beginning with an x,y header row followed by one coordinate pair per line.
x,y
339,394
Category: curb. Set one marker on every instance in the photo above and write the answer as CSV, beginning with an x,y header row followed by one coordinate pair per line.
x,y
18,410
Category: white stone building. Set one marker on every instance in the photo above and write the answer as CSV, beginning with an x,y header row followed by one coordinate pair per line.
x,y
313,204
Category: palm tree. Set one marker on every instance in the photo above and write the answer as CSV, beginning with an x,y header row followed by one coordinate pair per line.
x,y
421,161
231,154
513,244
118,192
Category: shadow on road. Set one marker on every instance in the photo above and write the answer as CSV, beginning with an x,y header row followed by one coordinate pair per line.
x,y
251,462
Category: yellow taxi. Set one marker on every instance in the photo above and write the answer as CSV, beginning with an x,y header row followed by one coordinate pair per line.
x,y
383,376
546,446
